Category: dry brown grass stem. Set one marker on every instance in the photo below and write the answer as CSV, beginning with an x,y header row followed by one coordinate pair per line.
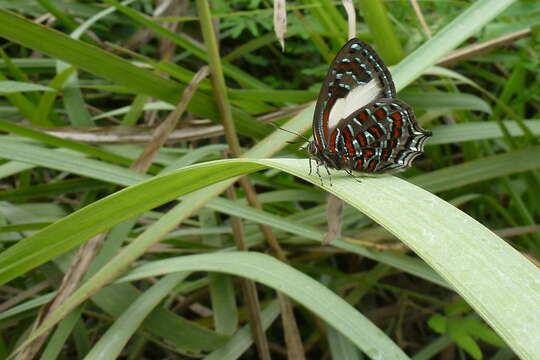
x,y
468,52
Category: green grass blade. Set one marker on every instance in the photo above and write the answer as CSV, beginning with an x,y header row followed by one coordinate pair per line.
x,y
113,68
230,70
115,338
458,133
440,101
66,144
298,286
46,103
380,27
478,170
467,23
12,87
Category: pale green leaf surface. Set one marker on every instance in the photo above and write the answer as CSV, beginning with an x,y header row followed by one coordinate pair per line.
x,y
445,101
458,133
496,280
402,262
115,338
453,176
13,167
341,347
481,169
298,286
9,87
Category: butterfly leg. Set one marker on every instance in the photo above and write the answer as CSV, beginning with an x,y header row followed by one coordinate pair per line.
x,y
317,171
352,175
350,165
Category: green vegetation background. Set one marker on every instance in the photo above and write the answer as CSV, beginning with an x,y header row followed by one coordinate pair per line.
x,y
441,260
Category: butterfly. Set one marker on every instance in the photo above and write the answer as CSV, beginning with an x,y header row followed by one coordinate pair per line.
x,y
359,124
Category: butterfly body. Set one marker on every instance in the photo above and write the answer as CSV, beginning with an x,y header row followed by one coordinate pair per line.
x,y
358,124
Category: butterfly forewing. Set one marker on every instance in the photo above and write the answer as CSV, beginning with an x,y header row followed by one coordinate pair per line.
x,y
358,123
357,77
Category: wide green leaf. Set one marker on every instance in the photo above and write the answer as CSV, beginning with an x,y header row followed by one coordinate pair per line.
x,y
298,286
480,266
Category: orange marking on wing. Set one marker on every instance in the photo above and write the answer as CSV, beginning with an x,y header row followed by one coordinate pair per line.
x,y
375,131
367,153
332,144
396,127
361,139
380,114
362,116
371,165
359,164
348,141
396,116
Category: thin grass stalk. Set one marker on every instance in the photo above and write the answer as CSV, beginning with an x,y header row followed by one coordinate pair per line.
x,y
80,264
292,336
162,132
249,288
220,92
56,141
421,19
468,52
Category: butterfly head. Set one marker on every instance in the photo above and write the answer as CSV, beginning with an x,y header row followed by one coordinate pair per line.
x,y
312,149
323,156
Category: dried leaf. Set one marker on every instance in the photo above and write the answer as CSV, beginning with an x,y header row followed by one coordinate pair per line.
x,y
280,21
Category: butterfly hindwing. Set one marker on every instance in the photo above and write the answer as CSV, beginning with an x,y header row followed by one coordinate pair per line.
x,y
382,136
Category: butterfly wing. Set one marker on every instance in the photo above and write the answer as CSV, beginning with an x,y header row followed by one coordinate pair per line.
x,y
356,78
382,136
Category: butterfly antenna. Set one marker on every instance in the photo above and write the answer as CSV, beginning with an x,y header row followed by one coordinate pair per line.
x,y
295,142
290,132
